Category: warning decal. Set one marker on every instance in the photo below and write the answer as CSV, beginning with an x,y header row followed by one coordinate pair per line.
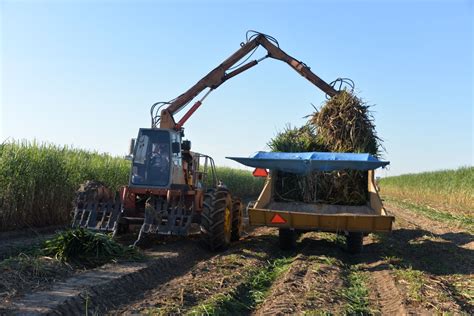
x,y
277,219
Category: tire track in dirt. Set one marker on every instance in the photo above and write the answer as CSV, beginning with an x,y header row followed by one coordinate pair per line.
x,y
310,284
412,269
284,296
462,260
207,280
385,293
316,281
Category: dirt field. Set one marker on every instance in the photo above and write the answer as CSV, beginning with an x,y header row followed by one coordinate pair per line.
x,y
423,267
14,242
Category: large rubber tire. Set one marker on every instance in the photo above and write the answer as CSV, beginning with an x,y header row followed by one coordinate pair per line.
x,y
354,242
236,219
216,220
287,238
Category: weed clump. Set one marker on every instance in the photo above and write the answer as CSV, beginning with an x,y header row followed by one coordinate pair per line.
x,y
90,249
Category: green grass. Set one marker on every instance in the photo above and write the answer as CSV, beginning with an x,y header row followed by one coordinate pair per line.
x,y
356,293
241,183
38,181
247,296
451,189
414,280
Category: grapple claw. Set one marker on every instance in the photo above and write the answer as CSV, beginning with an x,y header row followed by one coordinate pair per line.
x,y
101,216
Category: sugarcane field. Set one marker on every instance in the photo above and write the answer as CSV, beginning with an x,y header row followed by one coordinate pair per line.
x,y
341,183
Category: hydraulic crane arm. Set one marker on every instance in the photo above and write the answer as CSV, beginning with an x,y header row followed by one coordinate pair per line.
x,y
219,75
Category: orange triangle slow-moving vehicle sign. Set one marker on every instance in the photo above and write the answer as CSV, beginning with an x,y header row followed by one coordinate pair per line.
x,y
277,219
260,172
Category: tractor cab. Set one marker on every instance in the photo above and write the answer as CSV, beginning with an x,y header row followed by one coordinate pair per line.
x,y
156,159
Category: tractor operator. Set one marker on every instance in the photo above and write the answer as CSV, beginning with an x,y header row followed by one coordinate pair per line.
x,y
159,163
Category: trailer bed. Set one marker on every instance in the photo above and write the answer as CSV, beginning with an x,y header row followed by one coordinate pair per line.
x,y
371,217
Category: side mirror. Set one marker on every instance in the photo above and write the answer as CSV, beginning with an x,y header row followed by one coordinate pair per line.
x,y
175,148
131,147
186,145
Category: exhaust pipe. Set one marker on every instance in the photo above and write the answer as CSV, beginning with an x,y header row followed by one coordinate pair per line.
x,y
131,146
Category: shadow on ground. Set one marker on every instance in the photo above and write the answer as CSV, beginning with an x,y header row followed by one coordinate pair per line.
x,y
422,250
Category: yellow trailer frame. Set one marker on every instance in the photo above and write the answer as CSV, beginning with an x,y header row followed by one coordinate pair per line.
x,y
261,214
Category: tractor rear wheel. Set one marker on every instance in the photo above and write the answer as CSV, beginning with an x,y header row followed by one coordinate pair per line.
x,y
216,219
236,219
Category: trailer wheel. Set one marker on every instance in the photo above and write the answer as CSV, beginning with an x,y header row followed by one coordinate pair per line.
x,y
287,238
354,241
236,219
216,222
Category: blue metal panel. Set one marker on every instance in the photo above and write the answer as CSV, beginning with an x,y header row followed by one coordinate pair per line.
x,y
306,162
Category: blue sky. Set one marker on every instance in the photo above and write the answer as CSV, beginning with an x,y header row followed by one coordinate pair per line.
x,y
84,73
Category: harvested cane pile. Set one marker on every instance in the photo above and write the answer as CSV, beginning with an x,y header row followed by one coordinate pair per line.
x,y
343,124
85,248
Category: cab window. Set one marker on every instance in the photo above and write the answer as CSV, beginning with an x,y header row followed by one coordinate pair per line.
x,y
151,161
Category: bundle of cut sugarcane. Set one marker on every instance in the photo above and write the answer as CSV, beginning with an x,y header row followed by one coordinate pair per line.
x,y
343,124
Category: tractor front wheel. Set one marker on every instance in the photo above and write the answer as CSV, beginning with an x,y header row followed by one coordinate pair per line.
x,y
216,219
